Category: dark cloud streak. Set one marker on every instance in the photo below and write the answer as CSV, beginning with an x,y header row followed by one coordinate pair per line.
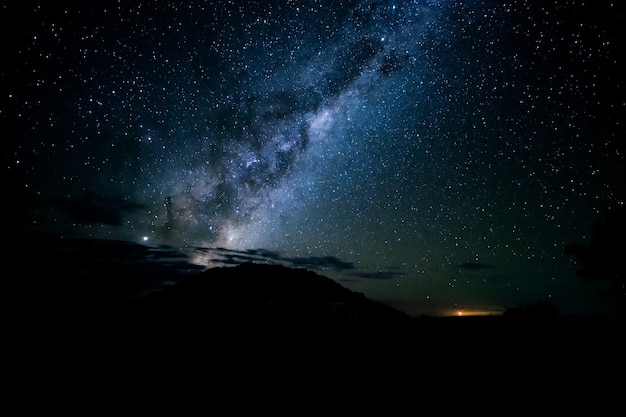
x,y
384,275
317,263
474,266
93,208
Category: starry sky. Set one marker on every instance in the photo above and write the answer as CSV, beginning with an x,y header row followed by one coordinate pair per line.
x,y
435,155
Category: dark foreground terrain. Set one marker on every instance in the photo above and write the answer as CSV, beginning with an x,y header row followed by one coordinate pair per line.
x,y
270,327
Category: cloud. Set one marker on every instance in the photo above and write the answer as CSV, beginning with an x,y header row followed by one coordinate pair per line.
x,y
138,268
97,252
378,274
92,208
98,265
236,257
474,266
317,263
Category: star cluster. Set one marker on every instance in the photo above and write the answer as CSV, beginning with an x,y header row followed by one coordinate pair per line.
x,y
455,147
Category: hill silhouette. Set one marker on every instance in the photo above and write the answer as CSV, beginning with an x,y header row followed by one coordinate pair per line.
x,y
251,299
244,301
262,323
265,294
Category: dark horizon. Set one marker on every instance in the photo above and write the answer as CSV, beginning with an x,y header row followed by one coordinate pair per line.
x,y
132,270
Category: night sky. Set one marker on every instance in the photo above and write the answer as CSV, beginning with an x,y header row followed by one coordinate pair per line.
x,y
434,155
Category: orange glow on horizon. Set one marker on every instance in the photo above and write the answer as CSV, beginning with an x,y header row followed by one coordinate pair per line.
x,y
471,312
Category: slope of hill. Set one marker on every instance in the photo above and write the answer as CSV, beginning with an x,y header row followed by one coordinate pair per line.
x,y
263,323
263,293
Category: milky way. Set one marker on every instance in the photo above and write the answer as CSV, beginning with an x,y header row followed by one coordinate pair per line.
x,y
449,150
261,106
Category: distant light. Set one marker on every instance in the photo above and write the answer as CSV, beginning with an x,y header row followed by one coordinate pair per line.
x,y
145,238
459,313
